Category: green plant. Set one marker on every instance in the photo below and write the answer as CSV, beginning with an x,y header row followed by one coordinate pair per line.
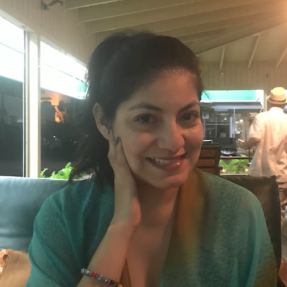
x,y
62,174
224,164
42,173
235,165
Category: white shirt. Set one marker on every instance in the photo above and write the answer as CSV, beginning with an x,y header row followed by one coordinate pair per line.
x,y
271,154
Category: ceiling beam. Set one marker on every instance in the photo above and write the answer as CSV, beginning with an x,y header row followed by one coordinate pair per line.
x,y
222,58
201,28
186,31
130,21
254,51
281,58
249,30
75,4
223,24
201,35
158,10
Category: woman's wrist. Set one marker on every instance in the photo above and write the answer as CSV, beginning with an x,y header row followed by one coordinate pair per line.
x,y
104,262
123,229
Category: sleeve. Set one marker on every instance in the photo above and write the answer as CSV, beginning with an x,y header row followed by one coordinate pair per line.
x,y
257,128
256,258
53,255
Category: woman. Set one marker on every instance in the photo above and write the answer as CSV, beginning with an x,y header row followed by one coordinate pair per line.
x,y
149,218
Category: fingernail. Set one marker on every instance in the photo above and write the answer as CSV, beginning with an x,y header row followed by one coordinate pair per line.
x,y
117,140
109,130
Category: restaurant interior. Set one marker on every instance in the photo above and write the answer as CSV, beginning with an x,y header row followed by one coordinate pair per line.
x,y
45,46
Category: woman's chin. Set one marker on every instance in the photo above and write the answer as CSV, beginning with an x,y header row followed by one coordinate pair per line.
x,y
175,181
170,184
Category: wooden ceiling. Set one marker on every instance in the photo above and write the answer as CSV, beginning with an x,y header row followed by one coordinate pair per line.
x,y
216,30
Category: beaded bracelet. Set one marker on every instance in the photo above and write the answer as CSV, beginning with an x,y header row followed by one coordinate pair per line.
x,y
101,278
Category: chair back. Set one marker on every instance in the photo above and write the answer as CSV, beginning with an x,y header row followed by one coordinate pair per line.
x,y
209,158
20,201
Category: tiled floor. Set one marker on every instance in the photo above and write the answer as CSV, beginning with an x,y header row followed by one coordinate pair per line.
x,y
284,241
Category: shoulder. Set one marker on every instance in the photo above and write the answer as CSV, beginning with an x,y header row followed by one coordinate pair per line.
x,y
231,197
61,229
225,186
72,192
262,116
234,230
232,209
76,200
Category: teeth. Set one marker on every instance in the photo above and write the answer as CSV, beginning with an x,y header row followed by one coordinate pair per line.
x,y
165,162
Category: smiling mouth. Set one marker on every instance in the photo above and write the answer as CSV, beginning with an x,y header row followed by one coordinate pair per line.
x,y
167,162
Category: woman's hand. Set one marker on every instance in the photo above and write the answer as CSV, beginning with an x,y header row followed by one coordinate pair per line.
x,y
127,212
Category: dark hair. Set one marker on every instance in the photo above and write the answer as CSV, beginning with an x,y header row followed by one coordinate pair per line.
x,y
119,66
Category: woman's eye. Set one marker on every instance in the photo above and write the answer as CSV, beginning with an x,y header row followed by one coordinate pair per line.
x,y
145,119
189,117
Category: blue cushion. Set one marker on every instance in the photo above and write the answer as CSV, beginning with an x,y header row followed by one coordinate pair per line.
x,y
20,201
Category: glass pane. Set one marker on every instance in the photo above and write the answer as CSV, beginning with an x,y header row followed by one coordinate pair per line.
x,y
11,98
63,91
11,36
58,137
226,117
62,62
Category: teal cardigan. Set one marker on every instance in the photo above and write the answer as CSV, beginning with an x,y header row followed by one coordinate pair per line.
x,y
234,247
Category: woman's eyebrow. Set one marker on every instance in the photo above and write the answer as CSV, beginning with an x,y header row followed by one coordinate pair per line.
x,y
148,106
189,106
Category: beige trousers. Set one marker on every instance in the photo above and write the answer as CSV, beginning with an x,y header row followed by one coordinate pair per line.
x,y
283,200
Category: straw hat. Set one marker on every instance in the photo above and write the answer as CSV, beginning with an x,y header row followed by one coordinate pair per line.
x,y
277,96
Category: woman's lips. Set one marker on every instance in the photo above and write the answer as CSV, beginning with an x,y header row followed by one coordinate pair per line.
x,y
170,164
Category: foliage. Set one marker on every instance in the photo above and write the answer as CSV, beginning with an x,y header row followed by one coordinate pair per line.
x,y
62,174
42,173
235,165
224,164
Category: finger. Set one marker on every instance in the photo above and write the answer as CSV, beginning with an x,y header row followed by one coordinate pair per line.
x,y
121,157
112,144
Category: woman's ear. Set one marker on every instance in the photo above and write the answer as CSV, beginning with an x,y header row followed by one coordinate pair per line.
x,y
101,122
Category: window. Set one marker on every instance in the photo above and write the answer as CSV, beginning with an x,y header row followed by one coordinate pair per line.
x,y
226,117
228,114
11,99
63,91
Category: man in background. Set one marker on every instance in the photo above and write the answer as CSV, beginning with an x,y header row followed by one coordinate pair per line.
x,y
269,133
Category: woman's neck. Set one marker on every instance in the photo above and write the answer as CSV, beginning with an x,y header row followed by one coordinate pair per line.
x,y
157,205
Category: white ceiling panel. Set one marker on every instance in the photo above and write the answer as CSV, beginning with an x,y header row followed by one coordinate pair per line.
x,y
240,51
211,56
237,23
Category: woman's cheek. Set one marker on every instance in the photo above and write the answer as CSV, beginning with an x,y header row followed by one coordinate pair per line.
x,y
198,135
194,137
137,145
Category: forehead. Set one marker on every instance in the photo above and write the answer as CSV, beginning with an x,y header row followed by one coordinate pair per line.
x,y
169,90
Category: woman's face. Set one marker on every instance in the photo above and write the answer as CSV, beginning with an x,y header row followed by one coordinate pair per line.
x,y
161,130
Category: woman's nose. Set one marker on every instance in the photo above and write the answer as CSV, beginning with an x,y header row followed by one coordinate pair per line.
x,y
171,138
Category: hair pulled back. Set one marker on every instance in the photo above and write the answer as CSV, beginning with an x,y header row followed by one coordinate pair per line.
x,y
118,67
